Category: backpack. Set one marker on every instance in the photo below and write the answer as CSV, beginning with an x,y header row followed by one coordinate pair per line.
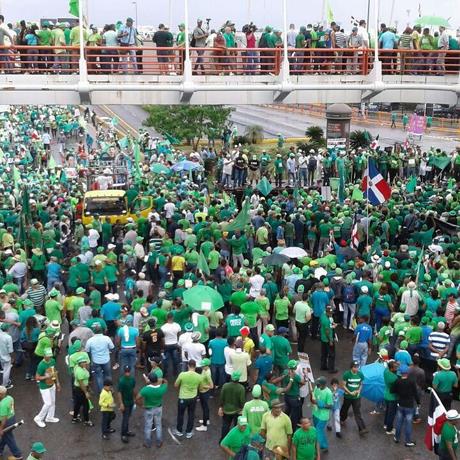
x,y
312,163
349,294
193,41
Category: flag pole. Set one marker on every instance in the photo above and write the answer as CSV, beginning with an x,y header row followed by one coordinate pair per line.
x,y
367,203
433,392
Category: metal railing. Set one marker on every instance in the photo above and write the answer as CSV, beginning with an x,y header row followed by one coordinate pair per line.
x,y
148,60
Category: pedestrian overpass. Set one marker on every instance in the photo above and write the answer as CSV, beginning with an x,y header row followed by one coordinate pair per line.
x,y
144,75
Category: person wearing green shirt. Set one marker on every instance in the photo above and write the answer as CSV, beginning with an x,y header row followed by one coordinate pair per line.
x,y
391,404
279,169
151,397
53,308
7,419
352,382
281,306
449,436
234,322
305,442
236,438
255,409
292,383
48,383
323,402
188,383
327,336
281,348
444,381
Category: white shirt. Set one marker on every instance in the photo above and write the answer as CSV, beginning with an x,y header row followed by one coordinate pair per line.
x,y
195,351
257,281
364,35
46,138
170,330
139,251
228,352
169,209
184,339
93,237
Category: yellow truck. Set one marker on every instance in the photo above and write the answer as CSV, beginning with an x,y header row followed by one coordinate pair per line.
x,y
114,204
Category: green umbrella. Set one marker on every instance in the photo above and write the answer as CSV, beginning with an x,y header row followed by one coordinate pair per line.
x,y
432,21
264,186
203,298
158,168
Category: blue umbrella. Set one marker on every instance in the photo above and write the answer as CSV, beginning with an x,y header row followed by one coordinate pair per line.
x,y
373,384
186,165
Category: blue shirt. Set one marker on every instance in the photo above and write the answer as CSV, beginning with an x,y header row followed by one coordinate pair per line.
x,y
387,40
110,311
403,357
364,332
130,37
319,301
99,347
54,271
217,346
133,333
264,364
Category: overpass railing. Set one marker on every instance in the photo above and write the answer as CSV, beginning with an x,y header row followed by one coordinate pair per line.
x,y
149,60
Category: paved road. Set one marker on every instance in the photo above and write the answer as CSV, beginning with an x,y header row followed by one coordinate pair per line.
x,y
294,125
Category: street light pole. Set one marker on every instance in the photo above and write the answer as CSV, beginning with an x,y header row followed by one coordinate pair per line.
x,y
135,13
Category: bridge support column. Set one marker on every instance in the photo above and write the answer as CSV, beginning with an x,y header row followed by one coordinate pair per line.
x,y
285,75
187,83
83,84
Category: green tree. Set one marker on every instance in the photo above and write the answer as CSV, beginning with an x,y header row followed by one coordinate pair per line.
x,y
360,138
255,134
316,134
188,122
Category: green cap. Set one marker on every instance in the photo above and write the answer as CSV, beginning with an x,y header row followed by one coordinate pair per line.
x,y
80,290
205,362
54,292
242,420
444,363
27,303
82,359
403,345
50,331
270,327
168,285
256,391
292,364
38,447
48,352
236,375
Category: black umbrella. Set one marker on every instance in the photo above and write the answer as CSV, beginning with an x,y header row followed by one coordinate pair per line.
x,y
348,253
275,260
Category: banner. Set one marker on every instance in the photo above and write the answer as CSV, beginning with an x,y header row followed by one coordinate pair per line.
x,y
417,124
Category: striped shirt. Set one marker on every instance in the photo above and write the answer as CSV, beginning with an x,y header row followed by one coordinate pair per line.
x,y
37,296
439,341
405,41
340,40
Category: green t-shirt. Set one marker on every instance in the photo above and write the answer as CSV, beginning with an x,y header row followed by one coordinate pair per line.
x,y
95,297
99,276
189,382
202,327
250,311
236,438
281,348
111,273
326,333
238,298
42,344
414,335
389,378
234,323
254,411
153,395
44,37
126,385
75,305
352,383
301,309
42,369
323,396
282,308
7,407
294,391
444,381
53,310
448,434
305,443
80,375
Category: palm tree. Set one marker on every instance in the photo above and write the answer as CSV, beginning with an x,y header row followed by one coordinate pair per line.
x,y
316,134
360,138
255,134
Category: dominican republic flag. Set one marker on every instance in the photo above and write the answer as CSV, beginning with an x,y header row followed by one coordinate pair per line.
x,y
436,419
374,186
354,236
374,145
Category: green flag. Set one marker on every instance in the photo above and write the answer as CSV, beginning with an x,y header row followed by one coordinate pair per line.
x,y
425,238
419,264
410,186
16,176
171,139
242,219
51,163
74,10
440,162
357,194
2,155
264,186
137,160
123,142
451,184
341,170
329,13
63,178
203,264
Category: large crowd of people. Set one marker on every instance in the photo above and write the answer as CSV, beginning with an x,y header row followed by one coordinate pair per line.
x,y
313,48
223,293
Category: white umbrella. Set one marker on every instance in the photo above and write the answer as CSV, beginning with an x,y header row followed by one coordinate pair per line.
x,y
294,252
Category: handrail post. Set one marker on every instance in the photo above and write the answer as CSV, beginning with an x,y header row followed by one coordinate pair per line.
x,y
82,64
285,71
187,63
377,67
